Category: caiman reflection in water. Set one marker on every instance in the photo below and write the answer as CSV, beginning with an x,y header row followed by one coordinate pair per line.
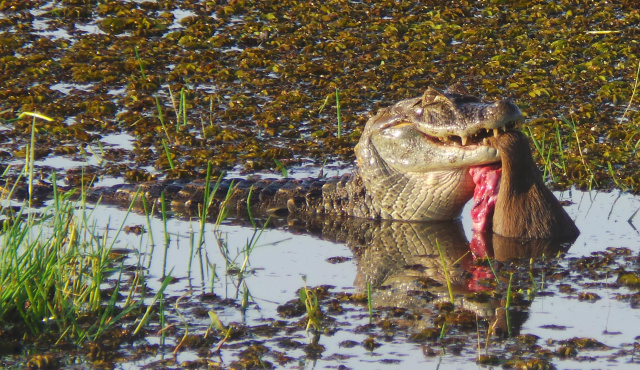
x,y
403,262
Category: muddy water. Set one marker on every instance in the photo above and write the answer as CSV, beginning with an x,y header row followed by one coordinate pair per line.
x,y
281,261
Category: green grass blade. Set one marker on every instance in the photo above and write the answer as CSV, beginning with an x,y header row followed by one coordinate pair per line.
x,y
338,114
446,272
147,315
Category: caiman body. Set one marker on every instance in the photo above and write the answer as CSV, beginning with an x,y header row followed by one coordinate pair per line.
x,y
413,163
416,161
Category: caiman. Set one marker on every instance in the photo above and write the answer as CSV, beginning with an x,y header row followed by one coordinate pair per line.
x,y
420,159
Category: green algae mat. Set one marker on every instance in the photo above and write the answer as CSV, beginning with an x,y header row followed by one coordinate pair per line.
x,y
244,83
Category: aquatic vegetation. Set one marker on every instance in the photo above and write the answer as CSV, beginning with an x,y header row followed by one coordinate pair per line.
x,y
252,78
62,278
199,323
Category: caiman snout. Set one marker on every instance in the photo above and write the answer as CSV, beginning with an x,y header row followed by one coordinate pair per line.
x,y
509,112
456,116
414,156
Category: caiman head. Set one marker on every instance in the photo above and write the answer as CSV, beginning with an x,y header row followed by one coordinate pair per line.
x,y
414,157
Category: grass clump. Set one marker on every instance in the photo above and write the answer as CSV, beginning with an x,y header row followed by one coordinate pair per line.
x,y
310,300
60,277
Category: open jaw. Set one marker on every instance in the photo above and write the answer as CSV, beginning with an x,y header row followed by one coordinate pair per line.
x,y
486,177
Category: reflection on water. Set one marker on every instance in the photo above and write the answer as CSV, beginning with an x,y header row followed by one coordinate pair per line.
x,y
400,261
409,265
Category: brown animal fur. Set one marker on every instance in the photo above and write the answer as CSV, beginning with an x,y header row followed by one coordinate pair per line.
x,y
525,208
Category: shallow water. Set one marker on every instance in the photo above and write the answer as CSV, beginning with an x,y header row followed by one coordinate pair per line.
x,y
281,260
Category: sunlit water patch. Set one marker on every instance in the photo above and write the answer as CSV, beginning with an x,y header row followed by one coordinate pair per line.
x,y
89,28
121,141
67,88
93,154
180,14
61,163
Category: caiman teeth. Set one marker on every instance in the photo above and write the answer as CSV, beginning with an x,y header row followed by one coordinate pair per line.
x,y
478,138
